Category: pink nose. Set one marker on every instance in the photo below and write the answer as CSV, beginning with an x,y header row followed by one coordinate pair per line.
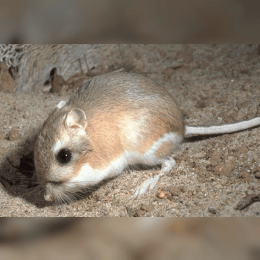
x,y
48,197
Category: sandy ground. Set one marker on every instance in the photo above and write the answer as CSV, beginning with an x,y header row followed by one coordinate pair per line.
x,y
213,84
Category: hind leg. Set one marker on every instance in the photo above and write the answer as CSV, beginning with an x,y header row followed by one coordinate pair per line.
x,y
160,152
150,184
168,164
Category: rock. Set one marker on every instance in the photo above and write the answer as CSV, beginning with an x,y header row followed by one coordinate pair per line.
x,y
212,210
7,83
13,135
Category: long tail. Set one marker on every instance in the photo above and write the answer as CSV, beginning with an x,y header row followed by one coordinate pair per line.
x,y
222,129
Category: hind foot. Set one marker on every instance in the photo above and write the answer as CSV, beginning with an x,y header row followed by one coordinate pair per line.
x,y
149,184
146,186
168,164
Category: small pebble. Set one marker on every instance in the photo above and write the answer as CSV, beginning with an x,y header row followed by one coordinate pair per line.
x,y
139,213
147,208
161,195
212,210
257,175
13,135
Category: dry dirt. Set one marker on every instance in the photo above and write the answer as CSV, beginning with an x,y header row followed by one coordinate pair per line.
x,y
214,176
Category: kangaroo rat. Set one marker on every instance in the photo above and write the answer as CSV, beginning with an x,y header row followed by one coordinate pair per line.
x,y
115,120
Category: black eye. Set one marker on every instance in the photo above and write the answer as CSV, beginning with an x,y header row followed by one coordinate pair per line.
x,y
64,156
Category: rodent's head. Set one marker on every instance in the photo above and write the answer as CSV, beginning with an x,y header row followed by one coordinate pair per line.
x,y
59,149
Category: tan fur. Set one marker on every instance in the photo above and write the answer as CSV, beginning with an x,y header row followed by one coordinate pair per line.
x,y
104,133
165,150
156,128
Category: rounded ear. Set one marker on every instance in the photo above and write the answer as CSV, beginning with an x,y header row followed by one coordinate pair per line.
x,y
76,118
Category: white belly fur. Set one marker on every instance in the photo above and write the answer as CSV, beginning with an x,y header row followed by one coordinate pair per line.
x,y
89,176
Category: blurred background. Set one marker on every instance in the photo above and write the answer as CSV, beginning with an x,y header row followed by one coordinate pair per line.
x,y
131,238
136,21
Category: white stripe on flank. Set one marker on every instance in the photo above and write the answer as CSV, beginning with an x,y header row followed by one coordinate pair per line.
x,y
222,129
90,176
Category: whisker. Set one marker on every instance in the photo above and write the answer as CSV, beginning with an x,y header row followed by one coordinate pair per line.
x,y
12,164
72,196
36,190
61,196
